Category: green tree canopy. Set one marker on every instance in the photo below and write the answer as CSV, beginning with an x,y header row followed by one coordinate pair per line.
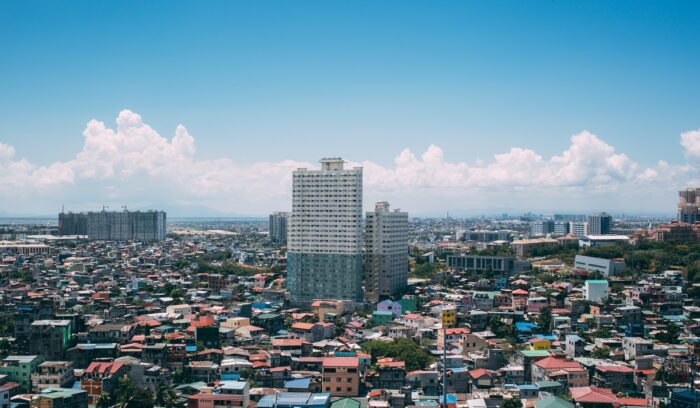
x,y
406,350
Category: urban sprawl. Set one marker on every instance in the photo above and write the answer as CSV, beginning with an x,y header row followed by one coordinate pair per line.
x,y
325,306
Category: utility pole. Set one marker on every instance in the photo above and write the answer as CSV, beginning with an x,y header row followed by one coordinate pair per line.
x,y
444,365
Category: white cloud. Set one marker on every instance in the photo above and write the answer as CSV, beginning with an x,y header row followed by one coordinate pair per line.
x,y
133,164
691,143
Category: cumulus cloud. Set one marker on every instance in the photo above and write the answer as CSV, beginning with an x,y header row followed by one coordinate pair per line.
x,y
691,143
133,163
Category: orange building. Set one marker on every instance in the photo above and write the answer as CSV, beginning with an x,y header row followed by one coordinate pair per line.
x,y
341,376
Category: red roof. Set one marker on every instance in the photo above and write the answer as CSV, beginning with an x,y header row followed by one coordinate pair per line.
x,y
479,372
341,362
634,402
520,292
553,363
286,342
302,326
593,395
103,368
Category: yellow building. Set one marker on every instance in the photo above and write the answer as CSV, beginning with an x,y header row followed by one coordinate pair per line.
x,y
540,344
448,316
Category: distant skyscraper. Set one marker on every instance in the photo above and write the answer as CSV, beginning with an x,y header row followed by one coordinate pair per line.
x,y
324,258
70,223
126,225
689,205
278,227
599,224
386,252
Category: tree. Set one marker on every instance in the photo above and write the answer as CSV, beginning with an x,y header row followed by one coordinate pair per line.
x,y
545,319
406,350
671,334
166,397
511,403
128,395
600,352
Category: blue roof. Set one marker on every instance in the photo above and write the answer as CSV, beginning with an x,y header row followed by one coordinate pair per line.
x,y
525,326
294,399
528,387
298,383
451,399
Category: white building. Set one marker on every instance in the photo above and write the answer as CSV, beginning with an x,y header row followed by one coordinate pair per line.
x,y
596,290
578,228
607,267
324,259
386,252
597,240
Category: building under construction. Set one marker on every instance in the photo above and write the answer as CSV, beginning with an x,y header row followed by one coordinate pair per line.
x,y
115,225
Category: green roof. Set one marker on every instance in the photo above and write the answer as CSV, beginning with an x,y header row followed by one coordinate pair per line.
x,y
536,353
597,281
345,403
553,402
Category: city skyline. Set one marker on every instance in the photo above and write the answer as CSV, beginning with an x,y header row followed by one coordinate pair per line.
x,y
133,164
467,108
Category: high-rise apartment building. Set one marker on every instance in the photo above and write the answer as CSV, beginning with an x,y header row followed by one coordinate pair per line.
x,y
386,252
70,223
599,224
689,205
126,225
324,241
278,227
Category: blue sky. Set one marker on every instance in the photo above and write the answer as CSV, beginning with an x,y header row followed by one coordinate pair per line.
x,y
298,80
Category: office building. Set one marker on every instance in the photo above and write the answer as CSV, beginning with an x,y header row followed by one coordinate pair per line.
x,y
561,228
541,228
578,228
324,258
386,256
689,205
126,225
278,227
503,265
484,235
599,224
70,223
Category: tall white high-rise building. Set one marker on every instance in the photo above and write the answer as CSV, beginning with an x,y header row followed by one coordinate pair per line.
x,y
386,252
324,240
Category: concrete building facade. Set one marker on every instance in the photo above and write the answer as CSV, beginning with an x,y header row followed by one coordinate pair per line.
x,y
689,205
324,258
278,227
386,252
599,224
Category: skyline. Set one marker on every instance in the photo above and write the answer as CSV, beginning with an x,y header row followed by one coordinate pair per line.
x,y
467,108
